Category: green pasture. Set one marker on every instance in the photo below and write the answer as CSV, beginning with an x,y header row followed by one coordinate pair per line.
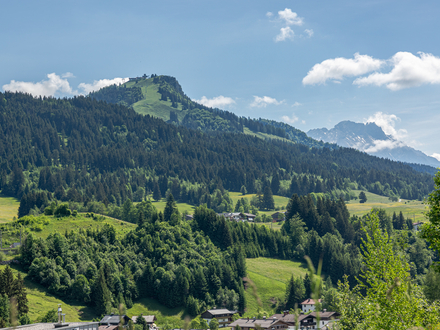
x,y
148,306
266,283
410,208
8,208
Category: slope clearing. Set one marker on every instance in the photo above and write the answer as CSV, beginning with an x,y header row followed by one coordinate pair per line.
x,y
266,283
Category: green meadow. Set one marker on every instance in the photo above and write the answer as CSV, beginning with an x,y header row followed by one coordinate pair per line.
x,y
410,208
266,283
8,208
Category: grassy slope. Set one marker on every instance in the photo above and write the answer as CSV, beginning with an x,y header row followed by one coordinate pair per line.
x,y
8,208
40,301
411,209
268,279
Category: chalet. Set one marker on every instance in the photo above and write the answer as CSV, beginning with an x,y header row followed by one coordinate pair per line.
x,y
189,217
264,323
308,321
113,320
417,225
223,316
309,305
149,319
247,216
278,216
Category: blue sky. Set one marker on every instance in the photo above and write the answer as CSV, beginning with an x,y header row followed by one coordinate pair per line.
x,y
308,63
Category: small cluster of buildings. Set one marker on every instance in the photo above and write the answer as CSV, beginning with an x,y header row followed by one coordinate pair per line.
x,y
248,217
308,319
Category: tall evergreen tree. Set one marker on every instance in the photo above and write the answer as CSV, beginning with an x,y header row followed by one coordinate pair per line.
x,y
268,202
101,294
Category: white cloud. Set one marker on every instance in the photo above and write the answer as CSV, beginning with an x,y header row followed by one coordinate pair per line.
x,y
290,17
309,32
57,85
408,71
290,120
215,102
387,123
269,14
262,102
296,104
54,85
98,84
436,156
384,144
341,67
285,33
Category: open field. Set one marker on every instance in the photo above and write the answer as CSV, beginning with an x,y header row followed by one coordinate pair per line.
x,y
267,283
8,208
148,306
410,209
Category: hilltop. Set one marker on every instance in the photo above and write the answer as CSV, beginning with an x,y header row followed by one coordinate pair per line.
x,y
163,97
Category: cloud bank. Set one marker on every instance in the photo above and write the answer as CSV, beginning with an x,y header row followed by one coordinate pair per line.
x,y
407,70
50,87
436,156
57,85
262,102
216,102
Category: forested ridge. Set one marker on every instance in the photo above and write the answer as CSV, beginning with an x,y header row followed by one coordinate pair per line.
x,y
82,150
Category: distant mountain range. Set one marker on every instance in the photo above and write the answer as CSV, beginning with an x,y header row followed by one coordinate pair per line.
x,y
371,139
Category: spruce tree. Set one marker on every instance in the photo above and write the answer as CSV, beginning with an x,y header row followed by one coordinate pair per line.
x,y
101,294
268,202
156,191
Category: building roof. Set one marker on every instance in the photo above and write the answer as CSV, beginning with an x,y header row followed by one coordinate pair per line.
x,y
47,326
113,319
148,318
310,302
251,323
215,312
326,315
108,327
288,318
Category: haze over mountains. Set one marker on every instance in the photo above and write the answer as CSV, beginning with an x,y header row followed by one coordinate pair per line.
x,y
371,139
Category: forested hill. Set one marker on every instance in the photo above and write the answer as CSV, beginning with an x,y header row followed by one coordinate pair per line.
x,y
163,97
81,150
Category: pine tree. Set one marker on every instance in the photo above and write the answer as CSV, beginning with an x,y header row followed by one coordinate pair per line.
x,y
101,294
156,191
268,202
20,293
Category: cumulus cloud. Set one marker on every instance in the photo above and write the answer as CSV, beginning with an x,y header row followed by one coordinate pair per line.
x,y
57,85
408,71
98,84
436,156
341,67
50,87
296,104
387,123
216,102
309,32
285,33
290,17
290,120
262,102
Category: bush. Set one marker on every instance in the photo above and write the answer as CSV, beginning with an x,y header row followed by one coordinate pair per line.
x,y
62,211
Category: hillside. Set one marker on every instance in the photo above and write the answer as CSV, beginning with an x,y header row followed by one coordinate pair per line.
x,y
163,97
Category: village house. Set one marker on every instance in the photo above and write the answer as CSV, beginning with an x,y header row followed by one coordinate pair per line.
x,y
278,216
149,320
308,321
264,323
223,316
110,322
308,305
238,216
